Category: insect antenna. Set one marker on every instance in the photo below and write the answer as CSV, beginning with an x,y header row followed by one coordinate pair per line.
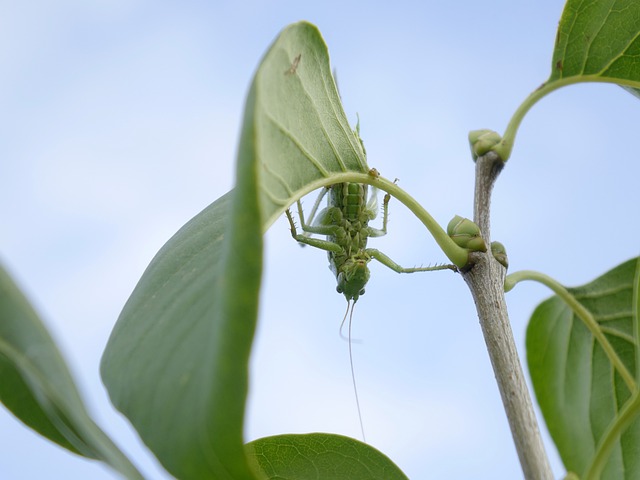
x,y
353,374
342,335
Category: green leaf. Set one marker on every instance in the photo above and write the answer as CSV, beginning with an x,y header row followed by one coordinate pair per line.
x,y
302,137
177,361
320,456
36,385
598,41
590,410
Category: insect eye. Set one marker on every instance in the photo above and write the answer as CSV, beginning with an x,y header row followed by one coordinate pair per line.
x,y
339,289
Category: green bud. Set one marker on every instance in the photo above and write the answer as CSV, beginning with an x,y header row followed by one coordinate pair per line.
x,y
474,135
483,141
500,253
460,225
466,234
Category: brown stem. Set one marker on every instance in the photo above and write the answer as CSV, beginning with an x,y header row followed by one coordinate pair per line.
x,y
486,282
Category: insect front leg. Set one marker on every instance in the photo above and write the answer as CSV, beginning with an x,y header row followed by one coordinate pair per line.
x,y
385,260
380,232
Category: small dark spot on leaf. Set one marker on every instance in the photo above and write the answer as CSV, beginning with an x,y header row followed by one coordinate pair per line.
x,y
559,65
294,65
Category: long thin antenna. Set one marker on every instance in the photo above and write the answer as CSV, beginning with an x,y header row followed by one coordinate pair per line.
x,y
353,375
344,319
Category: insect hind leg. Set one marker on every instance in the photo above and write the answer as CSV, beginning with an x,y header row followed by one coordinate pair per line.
x,y
386,261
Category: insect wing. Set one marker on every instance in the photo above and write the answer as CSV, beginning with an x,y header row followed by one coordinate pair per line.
x,y
372,204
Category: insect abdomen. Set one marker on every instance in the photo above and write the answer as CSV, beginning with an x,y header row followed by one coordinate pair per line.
x,y
351,198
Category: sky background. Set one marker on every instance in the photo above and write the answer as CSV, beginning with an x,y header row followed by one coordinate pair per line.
x,y
119,121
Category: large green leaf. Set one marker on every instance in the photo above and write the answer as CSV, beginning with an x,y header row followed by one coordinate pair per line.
x,y
590,409
302,136
177,361
598,41
36,385
320,456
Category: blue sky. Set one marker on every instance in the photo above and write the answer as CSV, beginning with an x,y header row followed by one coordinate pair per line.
x,y
120,122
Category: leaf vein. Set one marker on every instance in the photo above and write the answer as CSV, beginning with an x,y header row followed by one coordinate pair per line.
x,y
617,333
315,162
620,55
321,119
602,292
278,178
593,39
347,132
594,344
613,316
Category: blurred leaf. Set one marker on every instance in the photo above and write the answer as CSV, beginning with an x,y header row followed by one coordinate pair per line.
x,y
600,41
580,394
318,456
177,361
36,385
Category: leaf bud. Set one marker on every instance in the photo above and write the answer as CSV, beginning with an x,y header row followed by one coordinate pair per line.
x,y
500,254
483,141
466,234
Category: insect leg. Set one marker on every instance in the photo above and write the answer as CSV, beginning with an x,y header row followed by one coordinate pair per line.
x,y
314,209
309,228
380,232
385,260
314,242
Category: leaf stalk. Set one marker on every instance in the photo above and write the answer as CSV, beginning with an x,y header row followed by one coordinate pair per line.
x,y
505,146
457,255
582,313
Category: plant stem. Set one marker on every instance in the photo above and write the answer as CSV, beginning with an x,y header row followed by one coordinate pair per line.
x,y
486,282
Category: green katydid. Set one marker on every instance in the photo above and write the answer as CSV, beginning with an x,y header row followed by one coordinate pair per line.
x,y
345,222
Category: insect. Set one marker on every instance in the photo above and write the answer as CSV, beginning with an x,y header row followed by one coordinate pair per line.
x,y
345,223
